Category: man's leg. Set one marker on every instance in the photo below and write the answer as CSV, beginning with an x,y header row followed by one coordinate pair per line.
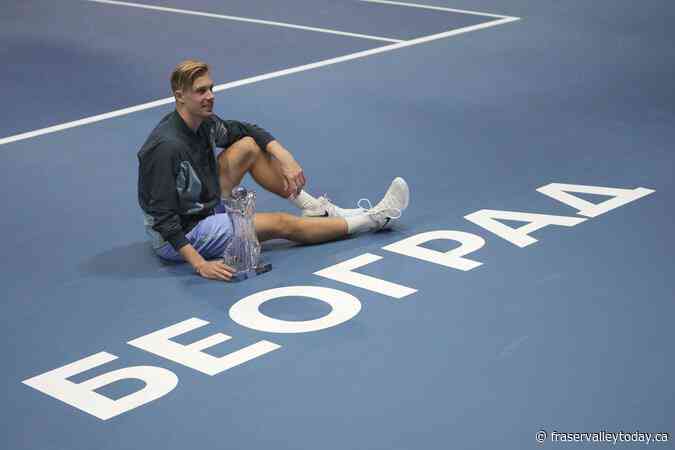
x,y
245,156
209,237
305,230
314,230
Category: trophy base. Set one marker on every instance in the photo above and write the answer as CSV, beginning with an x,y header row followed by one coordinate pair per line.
x,y
261,268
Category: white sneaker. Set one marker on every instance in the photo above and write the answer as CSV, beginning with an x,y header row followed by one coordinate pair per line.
x,y
323,207
391,206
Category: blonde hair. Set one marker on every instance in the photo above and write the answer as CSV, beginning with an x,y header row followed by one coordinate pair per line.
x,y
186,72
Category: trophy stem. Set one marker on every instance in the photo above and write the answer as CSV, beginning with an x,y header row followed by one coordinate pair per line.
x,y
242,252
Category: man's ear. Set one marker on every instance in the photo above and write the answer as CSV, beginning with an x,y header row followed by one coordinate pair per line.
x,y
178,94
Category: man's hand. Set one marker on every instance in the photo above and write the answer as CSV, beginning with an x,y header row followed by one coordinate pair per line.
x,y
290,170
294,177
215,270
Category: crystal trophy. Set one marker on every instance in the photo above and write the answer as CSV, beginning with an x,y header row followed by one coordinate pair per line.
x,y
242,252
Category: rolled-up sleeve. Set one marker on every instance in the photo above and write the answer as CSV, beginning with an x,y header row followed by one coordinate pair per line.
x,y
227,132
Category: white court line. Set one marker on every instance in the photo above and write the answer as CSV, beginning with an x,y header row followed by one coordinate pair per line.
x,y
435,8
243,19
268,76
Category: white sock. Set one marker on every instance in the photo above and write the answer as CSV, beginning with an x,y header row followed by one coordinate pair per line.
x,y
348,212
303,200
360,223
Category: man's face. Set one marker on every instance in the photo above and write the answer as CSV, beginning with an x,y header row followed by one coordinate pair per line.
x,y
198,101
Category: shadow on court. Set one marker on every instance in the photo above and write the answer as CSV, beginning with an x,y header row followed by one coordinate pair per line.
x,y
134,260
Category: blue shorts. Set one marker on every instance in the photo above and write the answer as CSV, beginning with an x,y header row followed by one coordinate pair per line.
x,y
209,237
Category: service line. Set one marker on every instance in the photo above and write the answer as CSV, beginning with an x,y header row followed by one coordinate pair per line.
x,y
435,8
243,19
258,78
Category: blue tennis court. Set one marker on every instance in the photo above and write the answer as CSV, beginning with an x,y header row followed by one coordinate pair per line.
x,y
528,287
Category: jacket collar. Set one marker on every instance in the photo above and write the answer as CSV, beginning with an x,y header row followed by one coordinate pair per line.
x,y
183,127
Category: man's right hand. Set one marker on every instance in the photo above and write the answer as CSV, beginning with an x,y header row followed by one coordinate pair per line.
x,y
215,270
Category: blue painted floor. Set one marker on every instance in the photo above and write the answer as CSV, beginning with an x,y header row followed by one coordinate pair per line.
x,y
571,334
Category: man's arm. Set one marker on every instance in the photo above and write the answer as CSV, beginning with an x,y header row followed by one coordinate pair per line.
x,y
157,194
158,198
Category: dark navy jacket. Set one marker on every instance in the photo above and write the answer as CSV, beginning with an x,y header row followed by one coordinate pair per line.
x,y
178,174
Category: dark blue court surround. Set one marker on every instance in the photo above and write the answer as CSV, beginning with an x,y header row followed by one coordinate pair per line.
x,y
572,333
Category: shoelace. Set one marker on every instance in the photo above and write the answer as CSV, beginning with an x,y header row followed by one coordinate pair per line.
x,y
324,200
396,213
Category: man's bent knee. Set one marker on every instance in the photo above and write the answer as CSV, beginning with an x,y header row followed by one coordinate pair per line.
x,y
245,150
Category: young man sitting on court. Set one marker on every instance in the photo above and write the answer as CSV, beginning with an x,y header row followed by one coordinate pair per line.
x,y
194,157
